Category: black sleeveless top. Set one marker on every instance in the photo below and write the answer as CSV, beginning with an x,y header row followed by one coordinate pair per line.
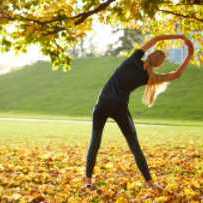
x,y
127,77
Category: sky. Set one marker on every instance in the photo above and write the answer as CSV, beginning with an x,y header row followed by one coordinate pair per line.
x,y
102,37
9,60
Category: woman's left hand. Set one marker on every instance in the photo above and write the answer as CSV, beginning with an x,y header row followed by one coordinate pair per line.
x,y
190,46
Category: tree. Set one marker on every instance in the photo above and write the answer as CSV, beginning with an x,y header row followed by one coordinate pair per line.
x,y
58,25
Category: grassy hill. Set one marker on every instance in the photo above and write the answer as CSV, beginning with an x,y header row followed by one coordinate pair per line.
x,y
37,90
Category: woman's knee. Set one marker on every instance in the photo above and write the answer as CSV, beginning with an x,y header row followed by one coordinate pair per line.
x,y
98,111
95,112
99,119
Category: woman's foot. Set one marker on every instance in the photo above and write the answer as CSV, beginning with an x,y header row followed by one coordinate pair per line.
x,y
153,185
88,184
88,181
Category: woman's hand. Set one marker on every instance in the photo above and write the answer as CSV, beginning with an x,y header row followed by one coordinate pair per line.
x,y
190,46
182,36
188,42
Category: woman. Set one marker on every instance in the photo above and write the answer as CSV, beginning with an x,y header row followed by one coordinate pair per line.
x,y
114,98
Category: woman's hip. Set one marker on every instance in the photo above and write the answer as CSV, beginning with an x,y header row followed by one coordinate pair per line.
x,y
110,107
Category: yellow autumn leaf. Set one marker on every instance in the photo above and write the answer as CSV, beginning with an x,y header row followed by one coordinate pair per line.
x,y
161,199
122,200
189,192
131,185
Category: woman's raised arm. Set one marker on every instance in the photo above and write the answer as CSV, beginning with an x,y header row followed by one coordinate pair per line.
x,y
154,40
176,74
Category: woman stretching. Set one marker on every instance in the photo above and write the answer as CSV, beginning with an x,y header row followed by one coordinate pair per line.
x,y
114,98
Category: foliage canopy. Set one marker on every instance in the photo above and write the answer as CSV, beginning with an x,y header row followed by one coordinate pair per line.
x,y
58,25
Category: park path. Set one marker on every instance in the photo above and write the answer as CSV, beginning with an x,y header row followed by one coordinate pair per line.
x,y
68,121
44,120
82,121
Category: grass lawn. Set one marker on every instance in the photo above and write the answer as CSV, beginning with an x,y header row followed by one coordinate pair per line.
x,y
36,132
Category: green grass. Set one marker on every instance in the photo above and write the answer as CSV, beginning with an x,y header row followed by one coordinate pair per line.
x,y
55,133
40,92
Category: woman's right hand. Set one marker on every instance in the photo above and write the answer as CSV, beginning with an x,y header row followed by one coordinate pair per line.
x,y
189,44
182,36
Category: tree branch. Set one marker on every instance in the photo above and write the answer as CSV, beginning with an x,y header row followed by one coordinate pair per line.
x,y
80,18
181,15
83,16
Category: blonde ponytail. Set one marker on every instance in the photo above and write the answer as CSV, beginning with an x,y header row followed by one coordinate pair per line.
x,y
153,88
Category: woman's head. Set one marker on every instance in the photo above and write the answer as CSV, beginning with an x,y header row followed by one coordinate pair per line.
x,y
156,58
154,87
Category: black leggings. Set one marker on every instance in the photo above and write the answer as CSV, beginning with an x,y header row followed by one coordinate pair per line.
x,y
120,113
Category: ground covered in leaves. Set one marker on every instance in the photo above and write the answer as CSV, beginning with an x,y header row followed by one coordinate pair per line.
x,y
55,174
